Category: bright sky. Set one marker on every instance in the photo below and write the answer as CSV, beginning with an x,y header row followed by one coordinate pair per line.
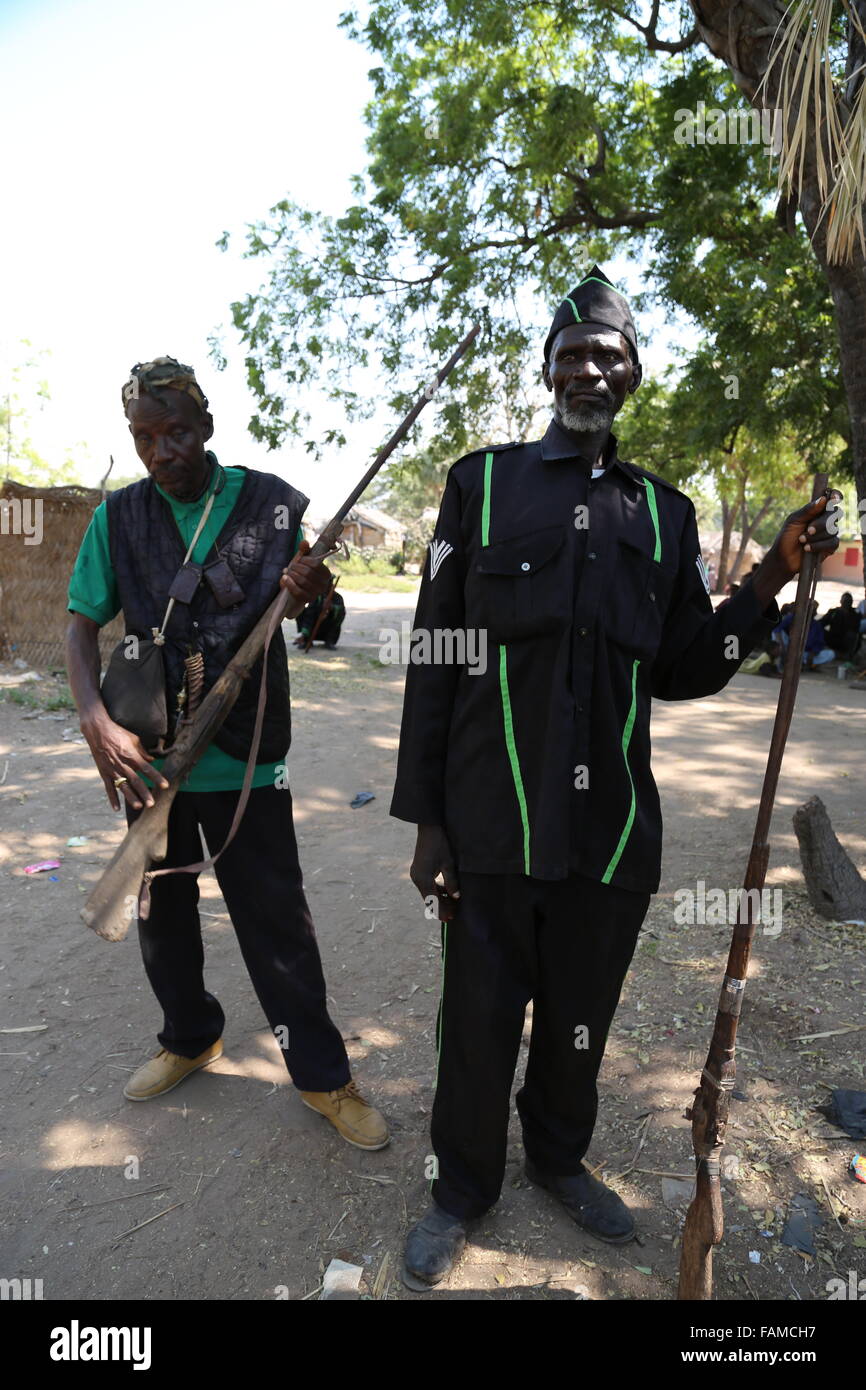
x,y
138,134
134,136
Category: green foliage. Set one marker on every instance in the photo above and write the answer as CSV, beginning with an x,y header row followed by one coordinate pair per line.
x,y
25,391
410,483
378,583
368,559
113,484
59,699
510,146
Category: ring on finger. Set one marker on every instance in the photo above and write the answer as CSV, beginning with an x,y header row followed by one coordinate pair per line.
x,y
119,781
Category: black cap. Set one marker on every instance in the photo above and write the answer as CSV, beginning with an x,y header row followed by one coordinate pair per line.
x,y
594,300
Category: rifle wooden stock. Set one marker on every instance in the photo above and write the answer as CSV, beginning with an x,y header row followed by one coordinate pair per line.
x,y
703,1230
113,902
705,1224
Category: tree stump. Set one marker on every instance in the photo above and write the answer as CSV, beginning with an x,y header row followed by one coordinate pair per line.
x,y
836,890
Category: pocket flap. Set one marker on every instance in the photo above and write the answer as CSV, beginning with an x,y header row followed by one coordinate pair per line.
x,y
521,554
635,555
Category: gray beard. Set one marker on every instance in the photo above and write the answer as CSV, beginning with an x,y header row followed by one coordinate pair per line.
x,y
586,421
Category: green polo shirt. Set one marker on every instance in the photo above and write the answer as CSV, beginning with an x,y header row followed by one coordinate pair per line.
x,y
93,592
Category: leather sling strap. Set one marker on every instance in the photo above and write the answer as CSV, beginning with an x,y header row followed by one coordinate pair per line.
x,y
159,633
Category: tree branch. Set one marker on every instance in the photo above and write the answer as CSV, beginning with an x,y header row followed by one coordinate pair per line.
x,y
653,42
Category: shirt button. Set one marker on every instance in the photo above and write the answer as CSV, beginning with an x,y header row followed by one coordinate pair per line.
x,y
525,565
582,631
591,555
652,597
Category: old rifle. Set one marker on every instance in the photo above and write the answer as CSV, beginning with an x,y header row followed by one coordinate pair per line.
x,y
709,1113
114,901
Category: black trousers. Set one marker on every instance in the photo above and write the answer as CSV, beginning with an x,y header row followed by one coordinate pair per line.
x,y
567,946
260,879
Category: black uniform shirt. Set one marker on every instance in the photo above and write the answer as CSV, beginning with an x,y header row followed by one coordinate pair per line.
x,y
592,598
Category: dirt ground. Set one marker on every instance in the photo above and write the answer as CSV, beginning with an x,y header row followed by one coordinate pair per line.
x,y
230,1188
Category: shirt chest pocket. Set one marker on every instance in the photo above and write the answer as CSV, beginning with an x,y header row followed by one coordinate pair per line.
x,y
634,609
518,588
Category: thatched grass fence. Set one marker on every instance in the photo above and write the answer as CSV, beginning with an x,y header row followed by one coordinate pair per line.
x,y
40,532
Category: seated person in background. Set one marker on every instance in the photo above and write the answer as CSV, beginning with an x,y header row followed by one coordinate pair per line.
x,y
764,660
816,652
328,630
842,628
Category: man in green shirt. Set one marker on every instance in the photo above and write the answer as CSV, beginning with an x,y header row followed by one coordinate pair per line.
x,y
233,537
93,593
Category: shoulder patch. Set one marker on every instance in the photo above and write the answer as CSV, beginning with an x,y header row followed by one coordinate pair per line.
x,y
439,551
702,571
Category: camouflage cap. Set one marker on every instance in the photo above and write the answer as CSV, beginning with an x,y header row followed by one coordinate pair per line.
x,y
162,372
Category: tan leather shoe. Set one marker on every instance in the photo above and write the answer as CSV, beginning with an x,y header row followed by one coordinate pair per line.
x,y
359,1123
166,1070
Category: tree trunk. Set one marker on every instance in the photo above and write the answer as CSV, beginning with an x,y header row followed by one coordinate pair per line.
x,y
836,889
848,288
749,528
740,35
727,527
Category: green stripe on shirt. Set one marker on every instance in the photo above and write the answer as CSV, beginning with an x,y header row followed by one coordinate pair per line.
x,y
507,718
626,740
513,759
654,513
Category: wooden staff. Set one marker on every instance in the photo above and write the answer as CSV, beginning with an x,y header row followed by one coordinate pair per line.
x,y
709,1113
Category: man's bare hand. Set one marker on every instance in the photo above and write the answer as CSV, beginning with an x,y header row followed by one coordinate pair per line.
x,y
306,577
813,528
118,753
433,858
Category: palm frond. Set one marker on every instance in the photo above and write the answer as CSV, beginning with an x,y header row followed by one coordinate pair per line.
x,y
812,124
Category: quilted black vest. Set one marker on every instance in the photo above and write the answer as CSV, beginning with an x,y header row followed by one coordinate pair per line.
x,y
256,542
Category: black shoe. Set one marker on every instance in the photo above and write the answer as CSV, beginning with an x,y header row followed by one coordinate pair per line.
x,y
588,1202
432,1247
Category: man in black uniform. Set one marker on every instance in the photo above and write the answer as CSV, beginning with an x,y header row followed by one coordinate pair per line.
x,y
530,782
